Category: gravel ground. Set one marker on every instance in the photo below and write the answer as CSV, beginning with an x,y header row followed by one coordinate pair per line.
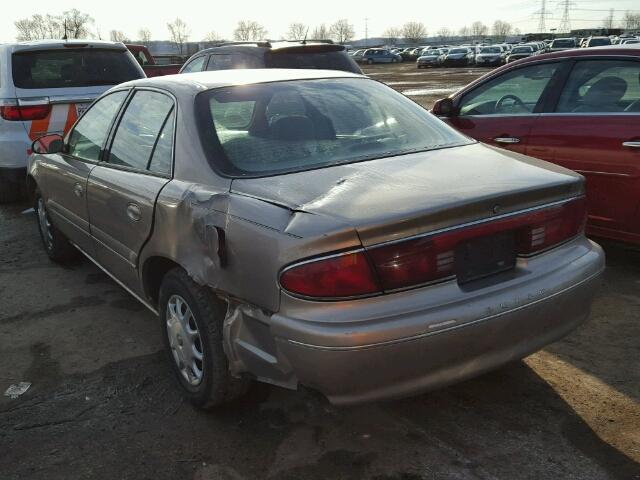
x,y
103,404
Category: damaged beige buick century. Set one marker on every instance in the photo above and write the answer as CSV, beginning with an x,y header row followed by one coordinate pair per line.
x,y
316,228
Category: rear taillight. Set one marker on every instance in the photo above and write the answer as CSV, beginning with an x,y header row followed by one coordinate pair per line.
x,y
345,275
25,112
551,226
431,257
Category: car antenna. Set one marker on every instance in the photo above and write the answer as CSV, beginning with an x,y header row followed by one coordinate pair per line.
x,y
304,40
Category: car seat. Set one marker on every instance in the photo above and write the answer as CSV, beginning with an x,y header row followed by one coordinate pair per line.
x,y
604,96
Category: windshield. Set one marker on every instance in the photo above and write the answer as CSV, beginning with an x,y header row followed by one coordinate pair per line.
x,y
73,68
490,50
458,50
564,43
522,50
281,127
431,52
309,59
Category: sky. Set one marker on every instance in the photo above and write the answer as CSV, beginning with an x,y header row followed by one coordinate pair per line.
x,y
205,16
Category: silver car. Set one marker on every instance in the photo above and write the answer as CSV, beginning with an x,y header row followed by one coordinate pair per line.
x,y
44,86
305,227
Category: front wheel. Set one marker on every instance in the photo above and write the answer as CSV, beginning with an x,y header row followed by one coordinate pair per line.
x,y
370,62
192,320
54,241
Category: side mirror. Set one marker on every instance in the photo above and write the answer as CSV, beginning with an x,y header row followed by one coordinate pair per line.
x,y
52,143
443,108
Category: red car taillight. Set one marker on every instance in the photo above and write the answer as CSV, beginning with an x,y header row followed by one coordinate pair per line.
x,y
346,275
431,257
552,226
24,112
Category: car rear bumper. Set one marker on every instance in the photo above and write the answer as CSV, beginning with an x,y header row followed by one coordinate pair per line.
x,y
17,176
369,359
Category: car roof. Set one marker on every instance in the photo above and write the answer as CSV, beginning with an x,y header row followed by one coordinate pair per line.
x,y
249,47
60,44
613,50
200,81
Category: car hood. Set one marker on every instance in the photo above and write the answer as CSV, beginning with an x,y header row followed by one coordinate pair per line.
x,y
488,55
405,195
457,55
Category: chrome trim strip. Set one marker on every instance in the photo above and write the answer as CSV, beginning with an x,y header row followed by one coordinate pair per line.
x,y
607,174
71,99
445,330
137,297
587,114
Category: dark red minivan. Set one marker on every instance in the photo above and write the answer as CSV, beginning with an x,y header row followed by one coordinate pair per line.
x,y
577,108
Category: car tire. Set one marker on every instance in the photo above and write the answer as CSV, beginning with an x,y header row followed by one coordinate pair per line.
x,y
206,382
393,60
10,192
370,62
55,243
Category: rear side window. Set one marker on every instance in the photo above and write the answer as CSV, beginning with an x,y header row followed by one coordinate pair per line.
x,y
320,60
139,129
597,86
67,68
515,92
88,137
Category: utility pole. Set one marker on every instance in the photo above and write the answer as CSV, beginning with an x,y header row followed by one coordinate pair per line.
x,y
565,23
366,32
542,14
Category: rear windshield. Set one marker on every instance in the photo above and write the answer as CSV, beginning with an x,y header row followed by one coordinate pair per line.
x,y
596,42
491,50
458,50
320,60
271,128
72,68
522,50
566,43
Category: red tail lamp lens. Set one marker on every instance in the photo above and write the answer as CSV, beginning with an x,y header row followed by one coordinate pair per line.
x,y
552,226
23,113
346,275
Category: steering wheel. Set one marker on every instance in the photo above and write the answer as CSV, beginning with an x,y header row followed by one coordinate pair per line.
x,y
517,101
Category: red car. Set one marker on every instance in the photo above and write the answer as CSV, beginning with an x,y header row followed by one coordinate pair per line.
x,y
577,108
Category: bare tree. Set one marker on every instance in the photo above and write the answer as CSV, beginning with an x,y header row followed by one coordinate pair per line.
x,y
501,28
118,36
144,35
179,33
212,36
297,31
321,32
72,24
249,30
464,32
631,21
444,34
392,35
342,31
478,29
413,32
76,23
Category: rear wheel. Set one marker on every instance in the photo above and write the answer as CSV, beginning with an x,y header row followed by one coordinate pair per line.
x,y
370,61
192,318
55,242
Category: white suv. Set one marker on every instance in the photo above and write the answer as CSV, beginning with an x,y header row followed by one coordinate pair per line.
x,y
44,87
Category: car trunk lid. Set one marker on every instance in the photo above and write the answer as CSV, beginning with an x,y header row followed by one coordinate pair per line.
x,y
398,197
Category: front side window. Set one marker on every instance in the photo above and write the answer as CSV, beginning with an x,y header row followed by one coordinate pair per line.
x,y
599,86
229,61
139,128
279,127
516,92
87,139
195,65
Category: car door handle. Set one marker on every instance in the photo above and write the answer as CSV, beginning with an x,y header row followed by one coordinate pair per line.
x,y
78,190
631,144
507,140
133,212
